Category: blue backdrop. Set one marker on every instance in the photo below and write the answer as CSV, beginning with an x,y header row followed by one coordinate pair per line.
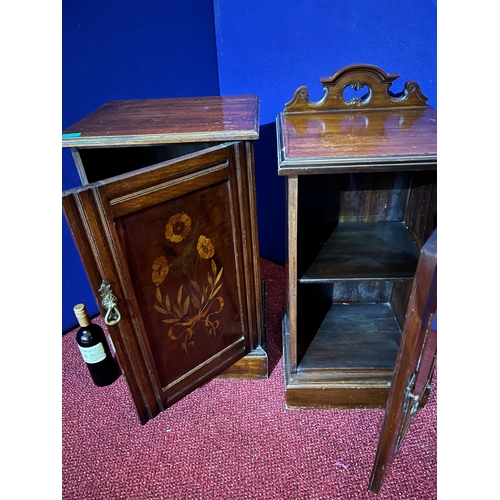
x,y
127,50
188,48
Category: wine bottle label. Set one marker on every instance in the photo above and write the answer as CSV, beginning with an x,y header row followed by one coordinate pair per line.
x,y
93,354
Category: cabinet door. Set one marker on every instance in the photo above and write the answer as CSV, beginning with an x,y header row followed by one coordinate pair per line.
x,y
177,244
414,364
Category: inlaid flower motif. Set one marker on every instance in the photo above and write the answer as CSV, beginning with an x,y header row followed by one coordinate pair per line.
x,y
197,303
205,247
178,227
160,270
189,312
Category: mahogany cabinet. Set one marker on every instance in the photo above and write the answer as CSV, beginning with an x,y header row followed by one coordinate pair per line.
x,y
165,223
361,169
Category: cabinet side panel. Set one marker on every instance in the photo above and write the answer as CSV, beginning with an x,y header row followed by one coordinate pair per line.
x,y
317,215
259,291
421,214
313,304
291,273
244,181
401,291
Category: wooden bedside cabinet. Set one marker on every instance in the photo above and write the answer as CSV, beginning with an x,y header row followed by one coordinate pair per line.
x,y
361,195
166,226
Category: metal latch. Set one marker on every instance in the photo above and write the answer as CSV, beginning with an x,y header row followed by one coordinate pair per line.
x,y
109,302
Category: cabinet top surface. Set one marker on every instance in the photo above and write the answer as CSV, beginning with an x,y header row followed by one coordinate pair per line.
x,y
371,136
169,120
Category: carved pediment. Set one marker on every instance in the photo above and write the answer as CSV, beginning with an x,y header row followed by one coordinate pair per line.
x,y
357,77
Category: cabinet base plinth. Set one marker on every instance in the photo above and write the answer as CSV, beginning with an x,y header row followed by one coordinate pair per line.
x,y
253,366
350,398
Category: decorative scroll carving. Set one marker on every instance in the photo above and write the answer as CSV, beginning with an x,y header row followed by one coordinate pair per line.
x,y
358,76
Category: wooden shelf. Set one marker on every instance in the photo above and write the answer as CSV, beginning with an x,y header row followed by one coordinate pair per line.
x,y
365,251
354,336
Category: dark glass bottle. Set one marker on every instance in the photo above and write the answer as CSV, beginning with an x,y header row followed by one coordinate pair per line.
x,y
94,349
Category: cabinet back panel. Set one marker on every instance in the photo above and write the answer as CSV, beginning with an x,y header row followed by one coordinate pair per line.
x,y
361,291
103,163
374,197
355,197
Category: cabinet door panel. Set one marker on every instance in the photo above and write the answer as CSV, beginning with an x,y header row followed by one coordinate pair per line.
x,y
181,256
168,190
414,364
162,181
172,248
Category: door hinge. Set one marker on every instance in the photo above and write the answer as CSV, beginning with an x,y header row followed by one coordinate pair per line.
x,y
410,406
410,398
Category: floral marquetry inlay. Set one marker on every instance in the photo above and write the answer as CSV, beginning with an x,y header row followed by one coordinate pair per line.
x,y
199,302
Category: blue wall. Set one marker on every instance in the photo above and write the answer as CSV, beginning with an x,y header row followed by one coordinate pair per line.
x,y
123,51
272,48
127,50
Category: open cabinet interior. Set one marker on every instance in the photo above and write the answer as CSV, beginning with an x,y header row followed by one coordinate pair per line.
x,y
358,241
361,195
101,163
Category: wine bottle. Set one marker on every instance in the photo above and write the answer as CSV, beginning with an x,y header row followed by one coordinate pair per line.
x,y
94,349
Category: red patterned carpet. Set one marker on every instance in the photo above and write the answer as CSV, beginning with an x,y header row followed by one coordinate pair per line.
x,y
232,439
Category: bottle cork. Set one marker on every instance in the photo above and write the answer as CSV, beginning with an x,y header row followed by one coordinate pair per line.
x,y
81,315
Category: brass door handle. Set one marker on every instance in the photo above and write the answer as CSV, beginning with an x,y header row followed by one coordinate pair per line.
x,y
109,302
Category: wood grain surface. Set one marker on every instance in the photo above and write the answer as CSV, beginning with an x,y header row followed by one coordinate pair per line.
x,y
173,120
371,138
